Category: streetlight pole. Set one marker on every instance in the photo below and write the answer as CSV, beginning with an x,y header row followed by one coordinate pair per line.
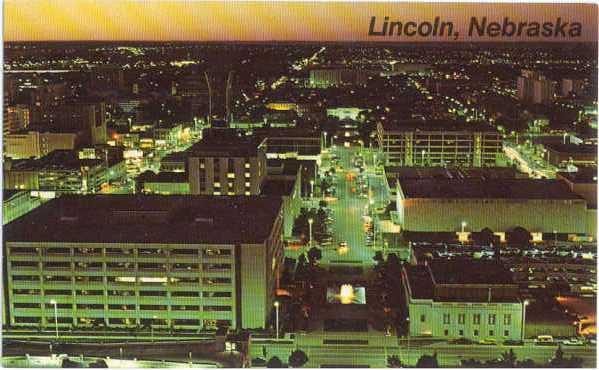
x,y
53,302
524,304
277,317
325,139
423,153
310,222
311,189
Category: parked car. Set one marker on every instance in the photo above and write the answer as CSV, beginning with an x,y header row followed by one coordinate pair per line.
x,y
573,342
544,340
513,342
488,342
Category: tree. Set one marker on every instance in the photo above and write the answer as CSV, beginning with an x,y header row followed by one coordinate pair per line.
x,y
508,359
322,204
428,361
301,271
298,358
394,361
314,254
275,363
484,237
519,237
99,364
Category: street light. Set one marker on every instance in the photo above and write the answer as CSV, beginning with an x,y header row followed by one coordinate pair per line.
x,y
53,302
325,139
276,304
463,225
311,189
524,304
310,222
423,153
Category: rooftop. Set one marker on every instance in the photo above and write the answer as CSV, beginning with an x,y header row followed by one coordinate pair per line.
x,y
437,125
470,272
148,219
475,188
572,148
225,147
163,177
277,187
582,176
56,160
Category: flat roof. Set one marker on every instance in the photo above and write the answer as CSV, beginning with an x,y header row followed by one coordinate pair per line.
x,y
184,219
55,160
476,188
163,177
277,187
572,148
437,125
470,272
224,147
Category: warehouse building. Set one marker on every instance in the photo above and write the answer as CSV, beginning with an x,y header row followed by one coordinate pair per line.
x,y
473,204
131,261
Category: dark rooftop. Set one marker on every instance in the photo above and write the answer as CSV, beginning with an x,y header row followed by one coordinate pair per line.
x,y
437,125
572,148
148,219
225,147
487,189
470,272
164,177
55,160
582,176
277,187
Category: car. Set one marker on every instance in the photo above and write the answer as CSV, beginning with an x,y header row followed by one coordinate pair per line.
x,y
573,342
463,341
544,340
488,342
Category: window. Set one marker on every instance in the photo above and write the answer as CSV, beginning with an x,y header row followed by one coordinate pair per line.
x,y
462,318
507,319
492,319
506,333
422,318
446,318
476,332
461,332
491,333
446,332
476,319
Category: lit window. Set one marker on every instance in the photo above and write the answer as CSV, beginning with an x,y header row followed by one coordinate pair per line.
x,y
217,184
492,319
247,175
231,175
247,193
247,184
247,165
476,319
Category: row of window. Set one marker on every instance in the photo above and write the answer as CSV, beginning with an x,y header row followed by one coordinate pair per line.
x,y
476,333
127,265
476,319
131,307
158,252
125,293
208,323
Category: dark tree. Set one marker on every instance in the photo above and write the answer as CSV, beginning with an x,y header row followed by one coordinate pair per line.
x,y
394,361
69,364
99,364
298,358
428,361
314,254
322,204
484,237
275,363
508,359
519,237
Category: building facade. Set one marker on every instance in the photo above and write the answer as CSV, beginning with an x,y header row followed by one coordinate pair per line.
x,y
471,308
34,144
416,143
111,262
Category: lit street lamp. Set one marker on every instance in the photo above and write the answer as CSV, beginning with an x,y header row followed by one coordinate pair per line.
x,y
325,139
524,304
53,302
310,222
311,189
277,317
464,225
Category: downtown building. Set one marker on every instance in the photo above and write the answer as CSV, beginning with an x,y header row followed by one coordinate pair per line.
x,y
466,205
532,87
218,167
480,302
134,261
439,143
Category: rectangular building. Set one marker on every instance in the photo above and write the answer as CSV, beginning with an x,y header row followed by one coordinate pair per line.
x,y
480,302
132,261
439,143
226,168
539,206
36,144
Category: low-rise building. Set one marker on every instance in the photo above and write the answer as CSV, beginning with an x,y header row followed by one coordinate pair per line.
x,y
132,261
165,183
36,144
471,205
561,155
480,302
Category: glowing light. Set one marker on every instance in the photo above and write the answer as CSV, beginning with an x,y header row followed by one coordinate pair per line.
x,y
346,294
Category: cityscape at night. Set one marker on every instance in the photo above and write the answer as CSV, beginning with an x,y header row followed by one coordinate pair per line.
x,y
271,204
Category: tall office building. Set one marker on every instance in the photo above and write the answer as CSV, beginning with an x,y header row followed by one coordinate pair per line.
x,y
130,261
87,116
220,84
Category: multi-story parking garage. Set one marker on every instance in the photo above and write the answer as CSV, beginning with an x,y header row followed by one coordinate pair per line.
x,y
181,262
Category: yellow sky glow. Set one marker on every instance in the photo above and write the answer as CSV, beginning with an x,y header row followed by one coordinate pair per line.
x,y
185,20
